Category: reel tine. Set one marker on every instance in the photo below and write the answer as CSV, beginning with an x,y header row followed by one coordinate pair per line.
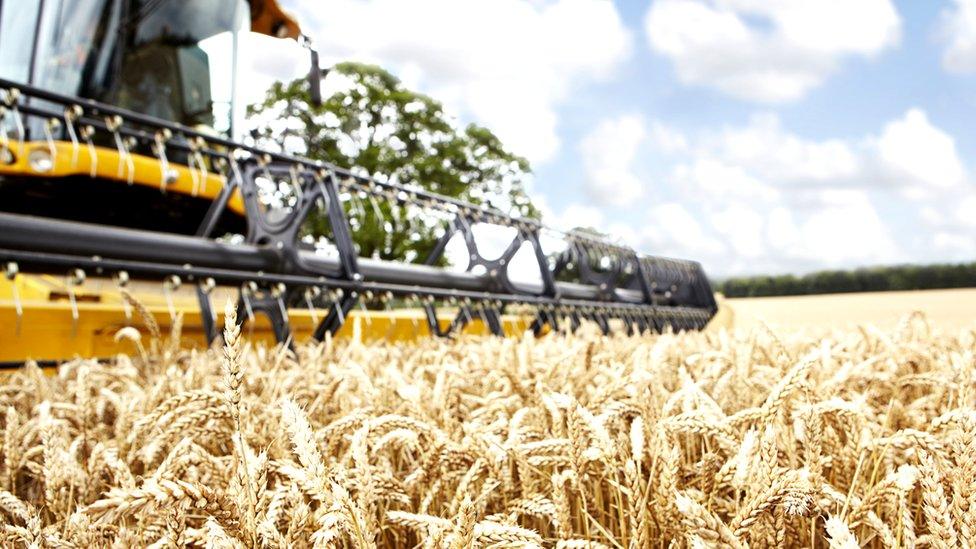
x,y
71,114
221,168
356,208
192,167
51,125
170,285
5,155
201,163
412,220
483,315
462,217
377,211
318,177
395,224
412,301
430,311
11,98
246,290
159,146
569,323
336,298
208,316
10,272
264,161
312,293
294,172
380,217
278,292
75,278
465,308
113,124
130,165
208,286
368,296
385,299
122,283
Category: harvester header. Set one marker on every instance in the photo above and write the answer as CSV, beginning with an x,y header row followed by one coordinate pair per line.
x,y
91,189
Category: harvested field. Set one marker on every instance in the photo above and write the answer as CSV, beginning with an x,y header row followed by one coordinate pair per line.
x,y
857,437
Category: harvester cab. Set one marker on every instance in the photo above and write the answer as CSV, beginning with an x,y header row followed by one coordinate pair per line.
x,y
122,167
172,60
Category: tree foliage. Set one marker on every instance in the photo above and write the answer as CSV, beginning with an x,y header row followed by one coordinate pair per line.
x,y
375,126
875,279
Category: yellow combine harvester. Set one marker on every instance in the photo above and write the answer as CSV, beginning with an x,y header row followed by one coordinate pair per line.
x,y
121,167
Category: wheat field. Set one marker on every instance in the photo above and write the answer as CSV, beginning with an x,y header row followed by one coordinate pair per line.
x,y
753,439
951,308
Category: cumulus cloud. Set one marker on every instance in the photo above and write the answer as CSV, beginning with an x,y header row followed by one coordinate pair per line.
x,y
914,150
506,64
774,200
574,215
608,153
767,51
672,230
847,230
761,159
959,30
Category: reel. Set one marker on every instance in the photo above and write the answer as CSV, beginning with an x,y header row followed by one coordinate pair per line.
x,y
565,279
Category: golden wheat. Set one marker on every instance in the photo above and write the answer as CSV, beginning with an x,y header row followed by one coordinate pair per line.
x,y
751,439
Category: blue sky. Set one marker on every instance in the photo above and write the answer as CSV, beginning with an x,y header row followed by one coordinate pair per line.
x,y
756,136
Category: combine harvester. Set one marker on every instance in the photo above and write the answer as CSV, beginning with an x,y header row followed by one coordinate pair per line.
x,y
119,170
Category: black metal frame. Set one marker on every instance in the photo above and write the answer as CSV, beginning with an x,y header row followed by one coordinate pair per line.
x,y
643,293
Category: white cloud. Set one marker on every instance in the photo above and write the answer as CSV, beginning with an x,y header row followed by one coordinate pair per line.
x,y
959,29
506,64
761,159
775,200
954,246
766,149
912,149
608,153
576,215
767,51
667,139
714,178
965,212
742,227
848,231
672,230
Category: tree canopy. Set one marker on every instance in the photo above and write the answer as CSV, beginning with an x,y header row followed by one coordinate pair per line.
x,y
375,126
874,279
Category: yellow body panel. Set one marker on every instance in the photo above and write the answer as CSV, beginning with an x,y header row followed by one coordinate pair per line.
x,y
48,332
108,164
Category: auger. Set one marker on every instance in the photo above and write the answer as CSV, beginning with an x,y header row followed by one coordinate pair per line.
x,y
91,189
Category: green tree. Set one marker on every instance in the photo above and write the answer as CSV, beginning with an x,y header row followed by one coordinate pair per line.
x,y
377,127
874,279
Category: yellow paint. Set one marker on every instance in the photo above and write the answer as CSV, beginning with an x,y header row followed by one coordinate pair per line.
x,y
48,332
110,165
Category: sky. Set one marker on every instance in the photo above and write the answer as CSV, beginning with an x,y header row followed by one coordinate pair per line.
x,y
755,136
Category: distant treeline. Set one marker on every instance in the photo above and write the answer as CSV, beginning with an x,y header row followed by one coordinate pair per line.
x,y
874,279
